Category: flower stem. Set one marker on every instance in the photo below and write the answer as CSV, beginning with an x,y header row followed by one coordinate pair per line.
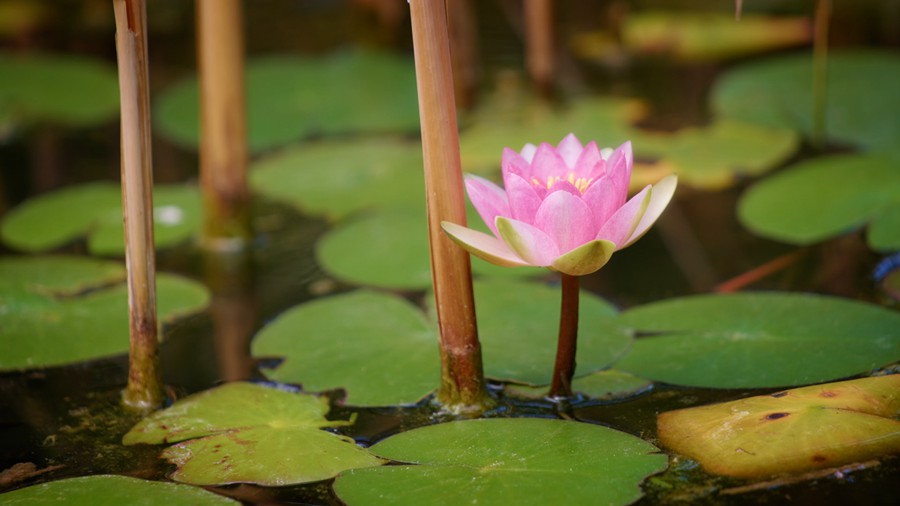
x,y
820,72
223,147
144,390
462,378
564,369
539,44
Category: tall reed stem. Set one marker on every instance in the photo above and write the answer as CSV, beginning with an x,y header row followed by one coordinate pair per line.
x,y
144,389
820,72
223,147
564,369
539,43
462,378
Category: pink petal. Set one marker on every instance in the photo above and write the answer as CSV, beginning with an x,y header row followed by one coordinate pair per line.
x,y
590,164
524,199
528,151
563,185
528,242
547,164
489,199
567,219
513,163
570,149
604,198
622,223
485,247
619,163
660,195
584,259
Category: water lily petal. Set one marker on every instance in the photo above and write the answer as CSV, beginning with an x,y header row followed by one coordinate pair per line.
x,y
590,164
619,163
563,185
484,246
660,195
528,152
524,198
489,199
514,163
623,222
585,259
567,219
570,149
604,197
548,164
528,242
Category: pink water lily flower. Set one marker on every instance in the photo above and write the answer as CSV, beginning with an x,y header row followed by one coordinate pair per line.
x,y
565,208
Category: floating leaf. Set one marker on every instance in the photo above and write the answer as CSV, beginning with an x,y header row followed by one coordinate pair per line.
x,y
518,324
778,92
716,156
289,98
759,340
336,178
60,310
793,431
67,89
377,347
505,461
598,386
109,489
95,209
246,433
825,197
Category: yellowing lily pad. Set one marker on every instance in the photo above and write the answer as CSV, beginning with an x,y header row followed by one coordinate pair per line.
x,y
290,98
246,433
792,431
379,348
758,340
505,461
61,310
109,489
51,220
825,197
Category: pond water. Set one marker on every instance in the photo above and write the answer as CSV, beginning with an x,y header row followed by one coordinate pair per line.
x,y
65,420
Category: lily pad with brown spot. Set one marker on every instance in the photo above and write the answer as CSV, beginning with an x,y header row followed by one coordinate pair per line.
x,y
793,431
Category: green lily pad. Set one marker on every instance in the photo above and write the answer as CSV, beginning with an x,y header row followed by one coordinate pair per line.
x,y
109,489
354,341
825,197
505,461
717,156
759,340
605,385
794,431
60,310
246,433
290,98
337,178
65,89
778,92
518,325
95,209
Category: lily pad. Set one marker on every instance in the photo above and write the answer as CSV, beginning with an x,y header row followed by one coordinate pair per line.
x,y
290,98
778,92
505,461
793,431
109,489
337,178
65,89
518,324
95,209
605,385
719,155
247,433
759,340
62,310
379,348
824,197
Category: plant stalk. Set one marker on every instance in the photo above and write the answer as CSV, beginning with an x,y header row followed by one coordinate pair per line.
x,y
144,390
564,369
462,377
539,44
223,146
820,72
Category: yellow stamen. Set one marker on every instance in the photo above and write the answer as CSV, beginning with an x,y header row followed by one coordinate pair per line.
x,y
580,183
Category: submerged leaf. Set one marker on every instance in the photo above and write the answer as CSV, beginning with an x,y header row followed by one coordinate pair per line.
x,y
246,433
109,489
505,461
792,431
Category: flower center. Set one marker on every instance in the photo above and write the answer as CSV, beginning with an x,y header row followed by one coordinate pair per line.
x,y
580,183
